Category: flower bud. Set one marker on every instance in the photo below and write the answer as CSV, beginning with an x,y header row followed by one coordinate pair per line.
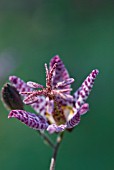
x,y
11,97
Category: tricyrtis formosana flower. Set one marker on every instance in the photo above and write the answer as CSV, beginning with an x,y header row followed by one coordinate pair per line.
x,y
56,108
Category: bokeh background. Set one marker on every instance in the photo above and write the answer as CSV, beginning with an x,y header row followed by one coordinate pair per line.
x,y
82,33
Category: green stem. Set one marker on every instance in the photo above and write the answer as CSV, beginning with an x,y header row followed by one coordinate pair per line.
x,y
46,139
55,151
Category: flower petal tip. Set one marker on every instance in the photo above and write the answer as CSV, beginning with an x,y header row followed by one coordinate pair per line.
x,y
84,109
12,78
56,57
95,71
11,114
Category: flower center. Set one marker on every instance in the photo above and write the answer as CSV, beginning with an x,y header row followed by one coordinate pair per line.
x,y
58,114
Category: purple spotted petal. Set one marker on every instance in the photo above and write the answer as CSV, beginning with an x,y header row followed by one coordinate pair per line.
x,y
73,121
32,120
82,93
84,109
21,86
54,128
49,105
40,106
61,73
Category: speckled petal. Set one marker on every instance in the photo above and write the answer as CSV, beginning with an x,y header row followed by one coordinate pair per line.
x,y
61,73
82,93
75,120
40,106
21,86
32,120
49,105
54,128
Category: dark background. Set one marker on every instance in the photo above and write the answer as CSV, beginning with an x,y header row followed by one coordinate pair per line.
x,y
82,33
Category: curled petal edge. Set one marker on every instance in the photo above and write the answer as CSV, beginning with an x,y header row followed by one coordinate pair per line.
x,y
75,120
55,128
84,109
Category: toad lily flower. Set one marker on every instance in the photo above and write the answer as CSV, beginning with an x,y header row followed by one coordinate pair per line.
x,y
56,108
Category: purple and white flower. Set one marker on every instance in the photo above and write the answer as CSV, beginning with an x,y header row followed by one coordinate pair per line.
x,y
56,108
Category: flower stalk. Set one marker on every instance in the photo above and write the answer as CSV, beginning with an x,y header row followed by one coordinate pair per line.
x,y
55,150
46,139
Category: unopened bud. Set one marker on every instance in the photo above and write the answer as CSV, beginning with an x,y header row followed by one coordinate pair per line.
x,y
11,97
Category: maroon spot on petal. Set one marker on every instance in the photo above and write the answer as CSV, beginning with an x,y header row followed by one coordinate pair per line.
x,y
83,96
23,89
19,117
41,109
93,75
30,123
14,80
19,86
46,103
26,122
79,103
59,69
21,113
85,90
88,79
42,119
89,87
41,126
86,83
11,114
37,125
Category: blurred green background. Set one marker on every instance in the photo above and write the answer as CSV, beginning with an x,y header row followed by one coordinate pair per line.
x,y
82,33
